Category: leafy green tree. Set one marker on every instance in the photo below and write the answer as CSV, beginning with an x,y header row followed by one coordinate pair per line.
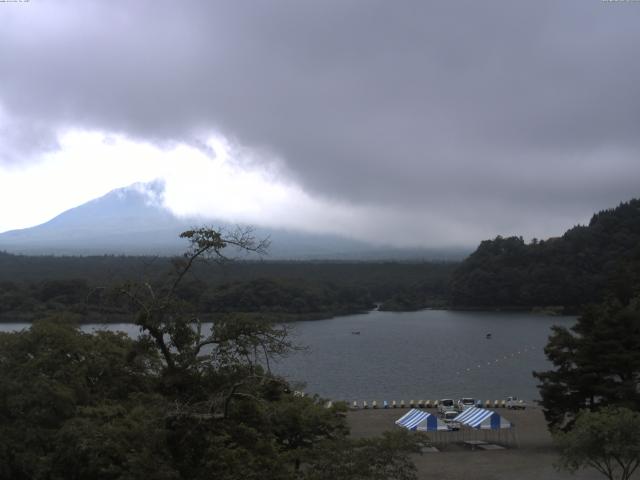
x,y
607,440
301,423
114,440
50,376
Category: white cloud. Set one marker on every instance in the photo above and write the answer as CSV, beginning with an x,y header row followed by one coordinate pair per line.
x,y
222,181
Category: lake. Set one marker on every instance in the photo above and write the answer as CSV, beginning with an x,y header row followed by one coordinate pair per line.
x,y
428,354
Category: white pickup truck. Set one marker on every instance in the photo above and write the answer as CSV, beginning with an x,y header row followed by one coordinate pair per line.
x,y
515,403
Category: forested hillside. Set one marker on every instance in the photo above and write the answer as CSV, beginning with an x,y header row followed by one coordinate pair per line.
x,y
31,286
581,267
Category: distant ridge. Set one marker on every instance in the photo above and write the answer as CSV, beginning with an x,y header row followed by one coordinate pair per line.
x,y
133,221
583,266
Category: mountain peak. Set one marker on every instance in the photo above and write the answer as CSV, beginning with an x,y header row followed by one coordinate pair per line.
x,y
150,193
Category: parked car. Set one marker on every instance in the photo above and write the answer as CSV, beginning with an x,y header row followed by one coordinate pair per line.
x,y
448,417
515,403
465,403
446,405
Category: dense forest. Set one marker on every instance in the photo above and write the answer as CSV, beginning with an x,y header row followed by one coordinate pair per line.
x,y
33,285
583,266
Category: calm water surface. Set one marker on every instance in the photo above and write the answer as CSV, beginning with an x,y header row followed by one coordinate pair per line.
x,y
415,355
422,355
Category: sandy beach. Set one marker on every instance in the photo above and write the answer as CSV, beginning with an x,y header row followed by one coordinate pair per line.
x,y
531,459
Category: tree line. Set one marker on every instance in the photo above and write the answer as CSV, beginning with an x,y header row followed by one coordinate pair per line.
x,y
30,286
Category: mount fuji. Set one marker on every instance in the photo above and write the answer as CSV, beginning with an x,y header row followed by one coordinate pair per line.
x,y
133,221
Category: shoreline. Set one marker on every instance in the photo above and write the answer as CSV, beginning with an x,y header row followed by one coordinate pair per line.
x,y
114,318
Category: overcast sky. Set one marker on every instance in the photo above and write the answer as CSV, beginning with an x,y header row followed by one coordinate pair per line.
x,y
409,122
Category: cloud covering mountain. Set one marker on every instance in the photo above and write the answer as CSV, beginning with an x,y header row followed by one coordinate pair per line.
x,y
134,221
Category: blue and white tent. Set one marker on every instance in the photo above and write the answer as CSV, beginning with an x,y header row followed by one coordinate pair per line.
x,y
420,420
482,419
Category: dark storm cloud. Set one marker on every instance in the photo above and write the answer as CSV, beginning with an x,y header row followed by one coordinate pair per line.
x,y
504,116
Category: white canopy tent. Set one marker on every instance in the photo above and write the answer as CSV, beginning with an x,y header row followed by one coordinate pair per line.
x,y
493,426
482,419
421,421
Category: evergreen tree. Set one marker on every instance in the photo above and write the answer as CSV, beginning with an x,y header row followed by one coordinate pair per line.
x,y
597,363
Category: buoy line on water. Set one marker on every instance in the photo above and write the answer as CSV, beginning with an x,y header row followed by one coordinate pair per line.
x,y
504,357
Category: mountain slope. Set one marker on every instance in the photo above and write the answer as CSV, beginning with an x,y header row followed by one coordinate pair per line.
x,y
582,266
133,221
126,220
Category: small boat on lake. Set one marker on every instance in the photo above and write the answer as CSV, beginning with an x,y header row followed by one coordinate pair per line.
x,y
355,333
488,336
